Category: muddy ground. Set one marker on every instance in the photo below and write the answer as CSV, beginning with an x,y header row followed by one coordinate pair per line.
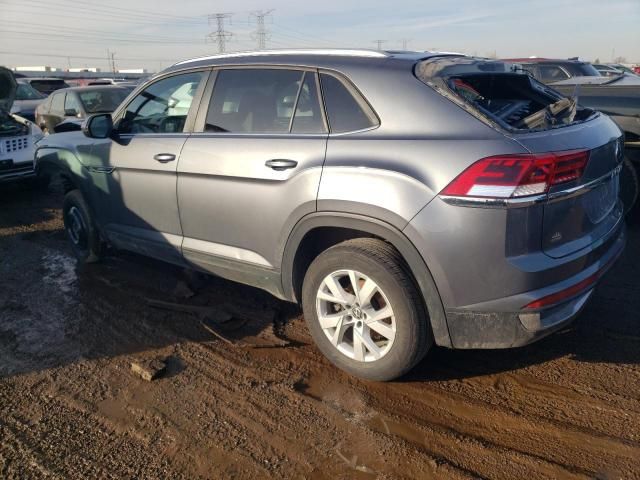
x,y
269,405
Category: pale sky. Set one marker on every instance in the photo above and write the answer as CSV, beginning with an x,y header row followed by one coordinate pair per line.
x,y
153,34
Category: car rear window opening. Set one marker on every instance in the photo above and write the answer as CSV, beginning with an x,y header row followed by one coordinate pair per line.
x,y
491,91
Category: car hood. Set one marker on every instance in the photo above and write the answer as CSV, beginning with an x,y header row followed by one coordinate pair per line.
x,y
8,87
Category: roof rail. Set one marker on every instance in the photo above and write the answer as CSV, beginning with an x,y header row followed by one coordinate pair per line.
x,y
296,51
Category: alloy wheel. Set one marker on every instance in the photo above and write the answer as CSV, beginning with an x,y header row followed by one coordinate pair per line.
x,y
356,315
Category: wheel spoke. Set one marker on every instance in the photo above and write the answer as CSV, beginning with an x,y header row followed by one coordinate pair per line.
x,y
377,315
369,344
354,285
330,320
337,291
382,328
358,346
367,291
339,333
328,297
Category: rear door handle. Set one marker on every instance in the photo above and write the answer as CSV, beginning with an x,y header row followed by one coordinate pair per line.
x,y
164,157
279,164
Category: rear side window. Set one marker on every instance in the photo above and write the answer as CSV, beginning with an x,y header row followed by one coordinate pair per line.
x,y
263,101
345,112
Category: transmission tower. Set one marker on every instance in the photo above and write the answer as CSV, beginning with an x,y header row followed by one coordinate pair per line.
x,y
379,43
405,43
261,34
220,36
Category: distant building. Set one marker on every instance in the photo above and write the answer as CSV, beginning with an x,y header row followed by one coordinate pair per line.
x,y
133,70
36,69
85,69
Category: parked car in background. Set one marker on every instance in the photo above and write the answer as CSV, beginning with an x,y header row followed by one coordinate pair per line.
x,y
404,199
622,68
45,85
78,103
549,70
17,135
617,96
607,70
26,100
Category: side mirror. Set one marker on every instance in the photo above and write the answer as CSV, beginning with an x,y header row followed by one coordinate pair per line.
x,y
98,126
71,112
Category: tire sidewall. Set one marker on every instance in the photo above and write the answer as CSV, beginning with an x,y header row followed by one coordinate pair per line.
x,y
401,357
91,253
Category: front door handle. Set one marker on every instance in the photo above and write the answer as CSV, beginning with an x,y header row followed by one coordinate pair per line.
x,y
279,164
164,157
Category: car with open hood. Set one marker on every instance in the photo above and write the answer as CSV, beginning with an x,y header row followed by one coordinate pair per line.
x,y
17,134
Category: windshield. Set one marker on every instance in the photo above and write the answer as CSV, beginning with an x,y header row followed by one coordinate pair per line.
x,y
27,92
102,101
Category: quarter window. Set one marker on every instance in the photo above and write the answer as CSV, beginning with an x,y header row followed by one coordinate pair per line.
x,y
71,104
57,104
263,101
344,111
162,107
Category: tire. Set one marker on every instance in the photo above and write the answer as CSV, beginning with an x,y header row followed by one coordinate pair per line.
x,y
629,185
366,259
80,228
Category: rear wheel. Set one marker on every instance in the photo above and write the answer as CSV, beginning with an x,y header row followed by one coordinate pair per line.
x,y
80,228
363,310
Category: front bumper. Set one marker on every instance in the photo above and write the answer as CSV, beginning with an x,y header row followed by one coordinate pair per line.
x,y
470,328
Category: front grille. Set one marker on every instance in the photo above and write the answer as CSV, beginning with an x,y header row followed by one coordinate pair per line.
x,y
15,144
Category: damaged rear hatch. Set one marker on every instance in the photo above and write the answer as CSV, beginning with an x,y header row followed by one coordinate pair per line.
x,y
575,152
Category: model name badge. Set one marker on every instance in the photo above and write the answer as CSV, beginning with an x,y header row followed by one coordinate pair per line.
x,y
556,237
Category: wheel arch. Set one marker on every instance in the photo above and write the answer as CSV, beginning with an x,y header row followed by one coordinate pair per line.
x,y
318,231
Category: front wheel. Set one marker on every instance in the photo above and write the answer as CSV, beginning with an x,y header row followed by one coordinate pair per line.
x,y
80,228
363,310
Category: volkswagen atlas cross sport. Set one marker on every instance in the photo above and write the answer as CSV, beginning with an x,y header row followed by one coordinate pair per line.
x,y
404,199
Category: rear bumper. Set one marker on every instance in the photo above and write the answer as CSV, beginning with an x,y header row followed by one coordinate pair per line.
x,y
471,328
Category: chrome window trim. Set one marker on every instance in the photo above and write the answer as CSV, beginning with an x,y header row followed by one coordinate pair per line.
x,y
482,202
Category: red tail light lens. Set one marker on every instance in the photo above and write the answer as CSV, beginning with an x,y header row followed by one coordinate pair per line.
x,y
507,176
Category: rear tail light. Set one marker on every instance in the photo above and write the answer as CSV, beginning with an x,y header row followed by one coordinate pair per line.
x,y
513,176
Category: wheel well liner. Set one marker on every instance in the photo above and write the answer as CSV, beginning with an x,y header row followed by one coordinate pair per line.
x,y
309,238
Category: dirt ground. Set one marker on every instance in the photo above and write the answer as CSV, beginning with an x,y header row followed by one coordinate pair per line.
x,y
269,405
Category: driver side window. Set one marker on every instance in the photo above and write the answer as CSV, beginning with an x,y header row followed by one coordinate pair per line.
x,y
161,107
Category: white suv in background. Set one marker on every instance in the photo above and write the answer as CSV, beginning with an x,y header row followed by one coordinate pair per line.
x,y
17,135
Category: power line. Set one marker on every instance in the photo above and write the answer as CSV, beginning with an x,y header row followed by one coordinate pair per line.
x,y
220,36
261,33
379,43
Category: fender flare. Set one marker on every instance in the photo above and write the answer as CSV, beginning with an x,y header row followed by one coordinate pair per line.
x,y
416,263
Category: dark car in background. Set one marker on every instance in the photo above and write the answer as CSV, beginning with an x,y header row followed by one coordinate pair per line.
x,y
404,199
77,103
45,85
26,100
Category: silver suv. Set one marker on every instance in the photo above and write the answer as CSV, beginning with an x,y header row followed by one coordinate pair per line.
x,y
404,199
